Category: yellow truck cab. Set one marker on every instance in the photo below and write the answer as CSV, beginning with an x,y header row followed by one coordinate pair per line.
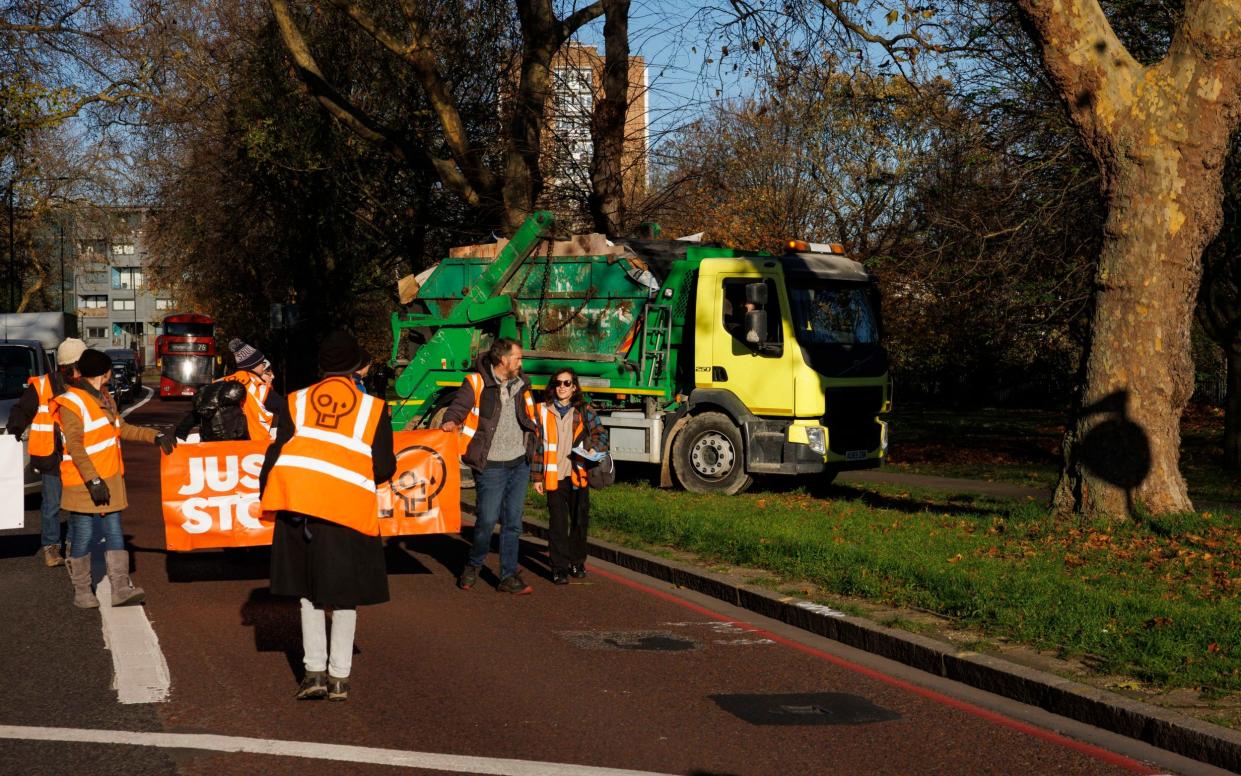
x,y
789,373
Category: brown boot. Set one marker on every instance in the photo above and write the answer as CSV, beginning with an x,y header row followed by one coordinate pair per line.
x,y
123,591
79,574
51,556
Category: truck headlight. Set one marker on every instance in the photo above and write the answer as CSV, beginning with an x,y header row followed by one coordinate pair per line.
x,y
817,440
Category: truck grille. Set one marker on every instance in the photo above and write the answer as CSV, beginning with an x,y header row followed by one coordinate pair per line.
x,y
850,418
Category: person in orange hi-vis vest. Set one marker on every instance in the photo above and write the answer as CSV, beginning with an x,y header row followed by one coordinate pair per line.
x,y
33,411
93,474
494,412
567,422
332,452
261,407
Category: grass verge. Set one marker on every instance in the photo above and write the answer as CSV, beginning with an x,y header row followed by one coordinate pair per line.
x,y
1157,601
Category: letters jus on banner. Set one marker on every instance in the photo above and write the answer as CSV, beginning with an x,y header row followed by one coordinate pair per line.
x,y
211,491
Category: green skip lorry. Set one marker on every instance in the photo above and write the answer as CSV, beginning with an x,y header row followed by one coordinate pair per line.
x,y
713,363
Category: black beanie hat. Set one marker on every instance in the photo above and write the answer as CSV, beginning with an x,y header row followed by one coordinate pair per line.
x,y
93,363
248,356
340,354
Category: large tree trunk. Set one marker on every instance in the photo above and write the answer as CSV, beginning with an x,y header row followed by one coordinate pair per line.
x,y
523,178
1232,411
1124,447
607,195
1160,135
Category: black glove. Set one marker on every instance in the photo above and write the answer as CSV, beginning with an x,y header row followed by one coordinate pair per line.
x,y
99,492
166,442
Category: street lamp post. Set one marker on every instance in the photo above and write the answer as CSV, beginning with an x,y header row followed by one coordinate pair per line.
x,y
60,227
12,252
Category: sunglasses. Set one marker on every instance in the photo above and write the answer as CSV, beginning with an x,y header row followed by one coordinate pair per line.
x,y
564,383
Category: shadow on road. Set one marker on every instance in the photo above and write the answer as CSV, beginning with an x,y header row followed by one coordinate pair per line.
x,y
914,503
19,545
277,626
450,550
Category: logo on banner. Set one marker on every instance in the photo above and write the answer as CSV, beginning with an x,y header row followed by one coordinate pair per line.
x,y
421,474
221,490
210,494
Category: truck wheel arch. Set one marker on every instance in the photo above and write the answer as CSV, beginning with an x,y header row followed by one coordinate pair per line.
x,y
700,400
720,400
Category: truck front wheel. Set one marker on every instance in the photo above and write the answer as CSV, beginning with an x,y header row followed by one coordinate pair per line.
x,y
707,456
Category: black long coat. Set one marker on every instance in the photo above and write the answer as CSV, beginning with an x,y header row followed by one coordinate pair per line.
x,y
325,562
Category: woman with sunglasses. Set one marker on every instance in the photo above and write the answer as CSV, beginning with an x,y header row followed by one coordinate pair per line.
x,y
568,422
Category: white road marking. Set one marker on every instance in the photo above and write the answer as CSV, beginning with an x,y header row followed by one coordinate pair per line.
x,y
150,393
826,611
314,751
140,672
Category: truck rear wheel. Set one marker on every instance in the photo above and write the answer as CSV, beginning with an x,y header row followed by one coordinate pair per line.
x,y
707,456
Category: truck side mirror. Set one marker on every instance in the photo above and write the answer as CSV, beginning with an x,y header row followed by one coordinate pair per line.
x,y
756,294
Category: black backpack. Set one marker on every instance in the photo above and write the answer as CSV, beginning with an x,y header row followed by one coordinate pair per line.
x,y
221,418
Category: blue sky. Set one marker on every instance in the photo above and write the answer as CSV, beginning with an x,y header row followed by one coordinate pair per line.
x,y
671,35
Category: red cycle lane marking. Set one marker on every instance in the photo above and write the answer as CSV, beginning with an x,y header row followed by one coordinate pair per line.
x,y
999,719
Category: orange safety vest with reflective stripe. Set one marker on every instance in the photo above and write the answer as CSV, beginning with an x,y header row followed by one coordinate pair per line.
x,y
551,474
258,419
101,437
42,437
469,426
325,470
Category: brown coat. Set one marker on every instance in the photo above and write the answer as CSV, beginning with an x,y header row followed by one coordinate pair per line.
x,y
76,498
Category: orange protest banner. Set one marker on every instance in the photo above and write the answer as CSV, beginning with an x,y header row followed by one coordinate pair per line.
x,y
426,489
210,494
210,491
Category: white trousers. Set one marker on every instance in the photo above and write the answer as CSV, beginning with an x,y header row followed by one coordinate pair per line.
x,y
315,639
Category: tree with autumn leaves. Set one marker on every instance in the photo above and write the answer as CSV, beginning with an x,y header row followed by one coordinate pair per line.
x,y
1158,134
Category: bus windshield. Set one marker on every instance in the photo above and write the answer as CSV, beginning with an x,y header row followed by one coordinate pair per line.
x,y
188,370
832,313
182,329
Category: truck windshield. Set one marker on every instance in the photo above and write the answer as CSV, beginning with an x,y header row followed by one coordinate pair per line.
x,y
830,313
17,364
175,329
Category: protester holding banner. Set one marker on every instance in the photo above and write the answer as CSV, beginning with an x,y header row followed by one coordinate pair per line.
x,y
93,474
263,406
332,451
568,423
494,409
34,411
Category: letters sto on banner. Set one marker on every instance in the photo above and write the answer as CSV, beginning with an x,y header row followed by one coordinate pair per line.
x,y
210,491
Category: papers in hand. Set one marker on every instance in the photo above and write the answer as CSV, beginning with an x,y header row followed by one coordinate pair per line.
x,y
584,453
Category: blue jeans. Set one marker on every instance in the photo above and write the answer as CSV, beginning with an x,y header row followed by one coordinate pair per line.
x,y
49,511
501,496
84,527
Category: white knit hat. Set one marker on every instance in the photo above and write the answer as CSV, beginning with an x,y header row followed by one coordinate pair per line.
x,y
70,351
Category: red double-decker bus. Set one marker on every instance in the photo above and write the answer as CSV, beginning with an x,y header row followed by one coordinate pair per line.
x,y
186,354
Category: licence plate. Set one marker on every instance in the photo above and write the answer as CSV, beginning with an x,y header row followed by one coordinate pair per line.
x,y
855,455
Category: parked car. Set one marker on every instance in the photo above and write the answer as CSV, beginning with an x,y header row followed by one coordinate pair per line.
x,y
20,360
121,384
130,359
